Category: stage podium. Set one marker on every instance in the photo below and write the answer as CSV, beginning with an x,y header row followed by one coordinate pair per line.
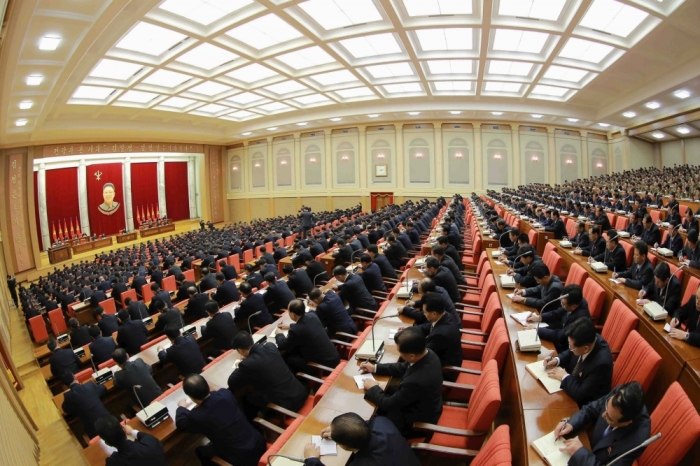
x,y
60,254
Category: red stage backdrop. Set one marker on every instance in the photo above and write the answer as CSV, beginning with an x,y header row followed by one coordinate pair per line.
x,y
144,188
102,219
62,203
177,199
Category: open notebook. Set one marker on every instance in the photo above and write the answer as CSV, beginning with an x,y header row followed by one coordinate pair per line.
x,y
521,318
548,448
538,371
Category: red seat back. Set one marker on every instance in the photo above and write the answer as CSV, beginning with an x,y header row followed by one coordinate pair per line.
x,y
488,289
189,275
281,440
329,381
84,375
38,326
611,218
129,294
547,248
483,259
620,322
492,312
234,261
532,237
637,361
621,223
247,256
109,306
147,293
655,215
553,261
495,452
577,276
108,363
257,252
58,322
169,283
484,402
690,289
629,252
594,294
497,344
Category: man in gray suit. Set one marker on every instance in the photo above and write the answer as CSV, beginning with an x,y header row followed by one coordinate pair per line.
x,y
135,373
307,221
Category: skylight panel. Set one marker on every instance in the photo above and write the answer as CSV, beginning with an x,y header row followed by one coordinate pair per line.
x,y
510,40
550,90
404,87
450,66
212,108
203,12
264,32
150,39
312,99
613,17
437,7
286,87
92,92
177,102
242,114
138,97
334,77
306,58
445,39
334,14
585,50
115,69
275,106
244,98
207,57
390,70
355,92
548,10
453,85
166,78
252,73
562,73
496,86
209,88
372,46
512,68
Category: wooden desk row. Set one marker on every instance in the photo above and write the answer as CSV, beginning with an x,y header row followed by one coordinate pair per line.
x,y
146,232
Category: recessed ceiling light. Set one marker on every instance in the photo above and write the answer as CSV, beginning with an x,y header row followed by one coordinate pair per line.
x,y
450,66
25,105
21,122
613,17
165,78
682,93
535,115
585,50
658,135
445,39
553,91
573,120
306,58
336,119
652,105
247,133
264,32
400,88
414,113
497,86
303,123
563,73
272,129
453,86
206,57
511,68
355,92
512,40
49,43
455,112
372,46
313,99
115,69
683,130
604,125
390,70
496,113
34,79
629,114
373,115
150,39
92,92
251,73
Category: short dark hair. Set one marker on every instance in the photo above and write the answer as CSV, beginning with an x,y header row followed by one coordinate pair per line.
x,y
432,262
315,293
411,340
123,315
575,294
172,331
154,287
373,249
662,271
73,323
212,307
222,263
642,247
581,331
540,270
94,331
692,236
438,250
526,250
427,285
220,277
245,287
595,229
296,306
196,387
365,259
288,268
110,430
52,345
66,377
242,340
612,236
433,303
628,399
339,270
351,430
119,355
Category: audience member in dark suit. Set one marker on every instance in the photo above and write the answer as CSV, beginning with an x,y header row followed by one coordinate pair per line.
x,y
307,340
447,262
573,307
298,280
132,333
195,306
161,295
62,360
442,334
102,347
614,257
277,294
216,415
585,369
253,278
118,287
665,289
548,288
371,275
674,240
582,239
226,292
651,234
601,219
182,286
344,253
168,317
279,254
137,309
79,334
251,304
83,401
395,252
208,281
641,274
596,245
266,267
146,450
620,423
442,277
67,299
184,352
108,323
229,271
220,327
418,397
97,297
134,373
317,272
688,314
138,282
331,312
372,443
557,226
263,368
385,266
351,288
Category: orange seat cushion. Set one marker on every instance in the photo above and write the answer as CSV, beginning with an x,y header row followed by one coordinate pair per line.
x,y
471,321
455,417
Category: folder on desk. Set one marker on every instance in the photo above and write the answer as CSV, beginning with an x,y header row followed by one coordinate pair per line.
x,y
565,244
496,254
507,281
599,267
665,252
655,311
623,234
548,448
528,340
537,370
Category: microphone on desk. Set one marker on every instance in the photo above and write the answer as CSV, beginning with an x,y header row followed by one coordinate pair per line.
x,y
373,324
252,315
537,337
139,399
669,282
93,363
527,253
644,444
292,458
317,275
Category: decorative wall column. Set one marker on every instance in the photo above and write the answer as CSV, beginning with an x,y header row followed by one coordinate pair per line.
x,y
43,213
400,156
515,132
439,156
191,180
362,140
552,148
584,160
128,208
83,199
478,159
162,207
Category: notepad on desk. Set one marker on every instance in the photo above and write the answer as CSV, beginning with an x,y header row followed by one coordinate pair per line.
x,y
548,448
328,447
521,318
540,373
360,379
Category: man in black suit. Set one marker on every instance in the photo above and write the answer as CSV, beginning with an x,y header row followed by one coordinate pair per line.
x,y
208,281
97,297
134,373
316,248
674,240
251,304
317,272
596,245
395,252
83,400
522,274
62,360
344,253
451,252
277,294
226,292
371,275
183,352
635,227
216,415
161,295
442,277
418,397
651,234
351,288
168,317
573,307
267,256
373,442
688,314
146,450
601,219
182,287
548,288
102,347
620,423
665,289
220,327
442,334
137,309
307,340
67,299
385,266
118,287
79,334
229,271
156,275
263,368
447,262
331,311
138,282
585,369
614,257
252,277
195,306
132,333
108,323
641,274
582,239
298,280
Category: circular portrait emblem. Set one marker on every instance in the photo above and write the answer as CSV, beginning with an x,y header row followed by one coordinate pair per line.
x,y
108,207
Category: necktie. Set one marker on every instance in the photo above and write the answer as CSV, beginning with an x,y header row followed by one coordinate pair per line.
x,y
577,366
607,431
